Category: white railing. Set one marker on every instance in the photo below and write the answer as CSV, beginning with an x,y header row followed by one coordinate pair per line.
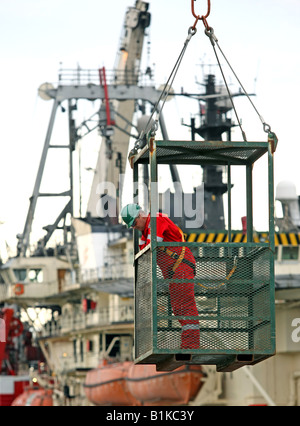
x,y
108,272
81,321
81,76
82,277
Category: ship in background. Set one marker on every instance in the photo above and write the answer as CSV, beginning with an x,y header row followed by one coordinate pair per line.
x,y
77,297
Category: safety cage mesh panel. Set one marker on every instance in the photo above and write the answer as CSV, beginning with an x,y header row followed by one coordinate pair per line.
x,y
143,305
225,307
204,154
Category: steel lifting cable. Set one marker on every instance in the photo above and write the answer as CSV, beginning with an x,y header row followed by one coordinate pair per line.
x,y
165,93
209,31
213,39
166,90
163,97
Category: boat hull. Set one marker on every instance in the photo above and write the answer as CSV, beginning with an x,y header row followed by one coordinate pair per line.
x,y
125,384
107,385
177,387
11,387
34,398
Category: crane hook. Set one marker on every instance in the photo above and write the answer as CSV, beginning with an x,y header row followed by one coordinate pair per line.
x,y
203,16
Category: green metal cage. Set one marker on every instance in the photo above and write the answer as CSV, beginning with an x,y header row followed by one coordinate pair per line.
x,y
233,282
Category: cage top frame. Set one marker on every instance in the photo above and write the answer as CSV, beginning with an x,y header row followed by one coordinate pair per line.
x,y
224,153
202,152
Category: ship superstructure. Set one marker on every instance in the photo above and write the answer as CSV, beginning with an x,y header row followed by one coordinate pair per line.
x,y
80,291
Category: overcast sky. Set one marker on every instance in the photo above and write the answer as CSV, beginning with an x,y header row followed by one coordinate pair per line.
x,y
259,37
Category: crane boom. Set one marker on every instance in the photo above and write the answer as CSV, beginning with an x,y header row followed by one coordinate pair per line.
x,y
112,158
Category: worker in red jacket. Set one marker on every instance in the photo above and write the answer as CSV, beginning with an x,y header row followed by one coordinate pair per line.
x,y
175,262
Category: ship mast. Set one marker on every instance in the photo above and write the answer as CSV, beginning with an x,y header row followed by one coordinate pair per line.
x,y
214,106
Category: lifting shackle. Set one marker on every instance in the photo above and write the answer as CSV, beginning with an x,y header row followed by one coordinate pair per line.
x,y
203,17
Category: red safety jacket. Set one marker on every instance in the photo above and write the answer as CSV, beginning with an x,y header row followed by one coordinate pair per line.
x,y
169,259
178,263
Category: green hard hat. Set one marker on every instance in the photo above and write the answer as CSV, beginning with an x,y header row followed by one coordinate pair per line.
x,y
129,213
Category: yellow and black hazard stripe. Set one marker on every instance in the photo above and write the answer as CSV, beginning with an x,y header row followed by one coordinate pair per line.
x,y
285,239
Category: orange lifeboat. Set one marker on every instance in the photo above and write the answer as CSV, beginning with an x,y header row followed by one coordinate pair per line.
x,y
126,384
176,387
107,385
34,398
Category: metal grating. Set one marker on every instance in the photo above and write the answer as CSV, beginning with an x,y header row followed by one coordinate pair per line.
x,y
143,305
205,152
231,290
